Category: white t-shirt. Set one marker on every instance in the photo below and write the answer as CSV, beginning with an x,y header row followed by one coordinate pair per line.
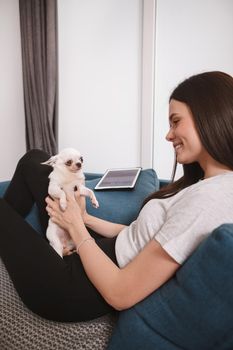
x,y
181,222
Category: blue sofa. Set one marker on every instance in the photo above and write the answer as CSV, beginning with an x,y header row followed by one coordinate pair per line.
x,y
192,311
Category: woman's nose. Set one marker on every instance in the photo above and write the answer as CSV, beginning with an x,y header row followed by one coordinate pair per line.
x,y
170,135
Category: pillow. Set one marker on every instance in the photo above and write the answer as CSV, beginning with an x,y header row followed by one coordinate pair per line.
x,y
194,310
121,206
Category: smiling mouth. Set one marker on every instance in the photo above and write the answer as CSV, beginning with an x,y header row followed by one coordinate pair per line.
x,y
178,146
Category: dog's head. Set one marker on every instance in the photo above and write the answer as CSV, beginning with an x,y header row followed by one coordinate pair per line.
x,y
69,159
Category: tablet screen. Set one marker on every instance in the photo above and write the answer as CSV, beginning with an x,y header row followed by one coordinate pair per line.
x,y
118,178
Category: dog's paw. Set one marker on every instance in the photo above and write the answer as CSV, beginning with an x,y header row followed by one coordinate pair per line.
x,y
95,203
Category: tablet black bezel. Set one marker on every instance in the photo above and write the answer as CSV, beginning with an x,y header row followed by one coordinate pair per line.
x,y
98,186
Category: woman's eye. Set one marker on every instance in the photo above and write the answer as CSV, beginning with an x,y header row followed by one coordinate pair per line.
x,y
69,162
175,122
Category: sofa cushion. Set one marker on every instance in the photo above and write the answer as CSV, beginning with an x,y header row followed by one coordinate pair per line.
x,y
194,310
121,206
33,217
3,187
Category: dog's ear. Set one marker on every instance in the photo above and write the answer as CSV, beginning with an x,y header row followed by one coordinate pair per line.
x,y
51,161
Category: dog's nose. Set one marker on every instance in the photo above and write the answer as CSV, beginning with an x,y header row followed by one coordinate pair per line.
x,y
78,165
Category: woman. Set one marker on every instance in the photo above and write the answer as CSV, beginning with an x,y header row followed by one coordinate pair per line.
x,y
123,265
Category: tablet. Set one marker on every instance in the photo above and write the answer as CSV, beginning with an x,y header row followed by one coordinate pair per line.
x,y
118,178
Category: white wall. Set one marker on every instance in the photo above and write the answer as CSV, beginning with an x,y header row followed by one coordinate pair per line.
x,y
12,125
100,80
191,37
100,46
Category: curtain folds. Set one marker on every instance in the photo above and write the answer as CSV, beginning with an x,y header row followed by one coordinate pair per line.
x,y
38,24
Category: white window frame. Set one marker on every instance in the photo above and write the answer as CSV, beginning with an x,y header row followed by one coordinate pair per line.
x,y
148,83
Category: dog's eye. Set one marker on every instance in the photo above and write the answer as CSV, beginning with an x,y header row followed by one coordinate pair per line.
x,y
69,162
81,159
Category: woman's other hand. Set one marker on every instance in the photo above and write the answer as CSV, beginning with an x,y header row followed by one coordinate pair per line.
x,y
67,251
81,200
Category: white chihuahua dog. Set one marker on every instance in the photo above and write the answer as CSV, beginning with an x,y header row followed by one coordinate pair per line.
x,y
67,177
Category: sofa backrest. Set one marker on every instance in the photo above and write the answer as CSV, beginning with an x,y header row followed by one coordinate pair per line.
x,y
194,310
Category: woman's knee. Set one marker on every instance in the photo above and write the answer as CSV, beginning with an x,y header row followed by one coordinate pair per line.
x,y
55,307
30,165
34,155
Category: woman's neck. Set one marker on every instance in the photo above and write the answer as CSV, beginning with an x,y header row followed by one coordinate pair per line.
x,y
213,168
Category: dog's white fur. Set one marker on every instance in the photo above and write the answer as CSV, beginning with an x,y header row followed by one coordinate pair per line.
x,y
66,177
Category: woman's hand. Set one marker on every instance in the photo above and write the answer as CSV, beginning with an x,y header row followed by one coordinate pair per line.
x,y
67,219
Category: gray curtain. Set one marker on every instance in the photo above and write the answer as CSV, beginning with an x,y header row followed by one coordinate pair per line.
x,y
38,24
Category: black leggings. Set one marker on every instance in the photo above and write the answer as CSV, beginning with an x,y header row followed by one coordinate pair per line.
x,y
54,288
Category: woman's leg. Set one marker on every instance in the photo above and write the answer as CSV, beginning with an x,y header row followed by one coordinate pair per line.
x,y
30,184
55,288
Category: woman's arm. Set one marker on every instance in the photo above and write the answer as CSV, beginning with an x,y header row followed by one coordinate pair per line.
x,y
103,227
121,288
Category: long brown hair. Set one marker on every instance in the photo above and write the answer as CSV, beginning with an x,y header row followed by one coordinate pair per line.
x,y
209,97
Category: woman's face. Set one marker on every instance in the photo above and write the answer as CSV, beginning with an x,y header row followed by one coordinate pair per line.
x,y
183,134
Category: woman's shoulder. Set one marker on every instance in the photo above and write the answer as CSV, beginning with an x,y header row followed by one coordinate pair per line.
x,y
221,182
214,186
210,188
